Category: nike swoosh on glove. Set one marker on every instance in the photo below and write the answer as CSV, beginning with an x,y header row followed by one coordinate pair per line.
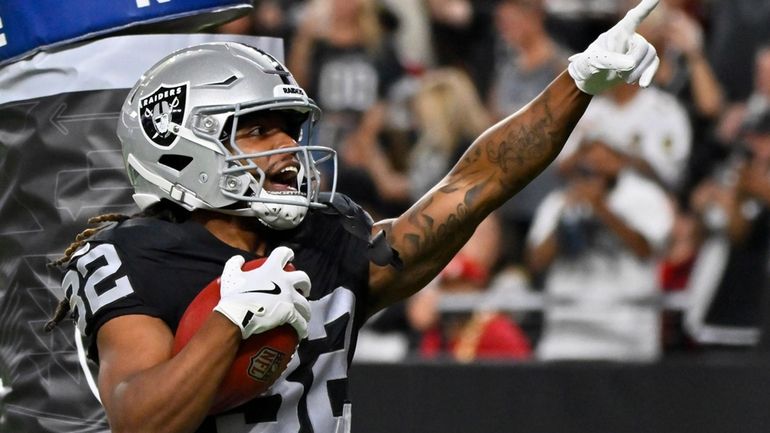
x,y
266,297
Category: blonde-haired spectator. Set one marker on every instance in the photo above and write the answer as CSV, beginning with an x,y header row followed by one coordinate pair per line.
x,y
449,114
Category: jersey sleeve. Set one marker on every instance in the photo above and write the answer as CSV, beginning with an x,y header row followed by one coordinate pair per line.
x,y
99,286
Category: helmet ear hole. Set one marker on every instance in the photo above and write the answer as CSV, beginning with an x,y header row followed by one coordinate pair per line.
x,y
175,162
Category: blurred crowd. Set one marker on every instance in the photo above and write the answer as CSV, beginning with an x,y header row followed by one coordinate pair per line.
x,y
648,236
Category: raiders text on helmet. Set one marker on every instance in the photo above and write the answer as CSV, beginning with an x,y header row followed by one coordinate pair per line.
x,y
178,128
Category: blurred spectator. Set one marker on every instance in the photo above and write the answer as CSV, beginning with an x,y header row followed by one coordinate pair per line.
x,y
648,126
739,28
731,273
449,115
741,129
481,334
528,60
597,240
686,238
344,58
686,73
413,37
576,23
463,37
267,18
755,105
675,270
387,336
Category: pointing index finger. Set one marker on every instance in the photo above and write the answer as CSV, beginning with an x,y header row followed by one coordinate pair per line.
x,y
635,16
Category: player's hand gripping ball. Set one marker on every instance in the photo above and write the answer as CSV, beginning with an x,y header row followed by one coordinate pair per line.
x,y
261,357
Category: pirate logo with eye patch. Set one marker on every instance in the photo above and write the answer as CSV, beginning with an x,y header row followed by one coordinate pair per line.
x,y
158,111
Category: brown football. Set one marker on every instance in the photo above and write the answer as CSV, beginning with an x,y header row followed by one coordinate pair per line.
x,y
260,360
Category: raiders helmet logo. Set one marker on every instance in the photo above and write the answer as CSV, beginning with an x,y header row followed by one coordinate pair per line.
x,y
160,109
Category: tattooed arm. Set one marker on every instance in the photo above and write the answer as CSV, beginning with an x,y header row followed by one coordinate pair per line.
x,y
506,157
498,164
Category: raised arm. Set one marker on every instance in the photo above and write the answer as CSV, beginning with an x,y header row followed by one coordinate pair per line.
x,y
496,166
505,158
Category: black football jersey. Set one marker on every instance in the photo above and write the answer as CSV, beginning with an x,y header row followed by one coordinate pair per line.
x,y
154,267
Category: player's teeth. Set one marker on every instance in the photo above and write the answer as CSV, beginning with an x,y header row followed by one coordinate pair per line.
x,y
290,168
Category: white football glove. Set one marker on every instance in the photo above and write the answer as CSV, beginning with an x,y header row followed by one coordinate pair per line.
x,y
617,55
266,297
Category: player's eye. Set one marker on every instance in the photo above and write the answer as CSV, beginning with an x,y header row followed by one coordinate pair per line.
x,y
251,132
257,131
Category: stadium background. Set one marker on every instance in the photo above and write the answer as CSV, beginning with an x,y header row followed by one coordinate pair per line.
x,y
60,164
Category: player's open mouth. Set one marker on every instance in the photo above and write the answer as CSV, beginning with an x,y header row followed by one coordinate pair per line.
x,y
283,180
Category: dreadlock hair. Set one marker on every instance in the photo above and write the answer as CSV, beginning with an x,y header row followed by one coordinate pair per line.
x,y
163,210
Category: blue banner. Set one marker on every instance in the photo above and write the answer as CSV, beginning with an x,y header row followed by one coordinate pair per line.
x,y
29,26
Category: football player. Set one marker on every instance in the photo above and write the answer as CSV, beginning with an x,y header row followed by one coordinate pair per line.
x,y
211,139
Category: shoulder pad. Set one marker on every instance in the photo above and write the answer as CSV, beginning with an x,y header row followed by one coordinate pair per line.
x,y
141,233
353,218
359,223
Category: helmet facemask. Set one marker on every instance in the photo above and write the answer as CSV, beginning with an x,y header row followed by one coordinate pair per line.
x,y
299,185
178,129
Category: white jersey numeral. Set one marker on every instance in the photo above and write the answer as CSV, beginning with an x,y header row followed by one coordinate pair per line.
x,y
122,287
311,394
108,262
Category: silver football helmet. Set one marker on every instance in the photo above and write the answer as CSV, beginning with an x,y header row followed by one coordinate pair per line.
x,y
178,128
